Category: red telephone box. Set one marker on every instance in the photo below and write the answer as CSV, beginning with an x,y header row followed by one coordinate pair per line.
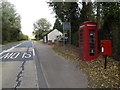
x,y
105,47
88,40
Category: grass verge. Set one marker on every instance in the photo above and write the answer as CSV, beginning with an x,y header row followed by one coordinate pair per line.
x,y
7,43
41,41
98,76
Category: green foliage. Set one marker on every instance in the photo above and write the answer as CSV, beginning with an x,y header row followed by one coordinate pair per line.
x,y
11,24
110,29
22,36
58,25
75,39
106,14
41,27
60,9
67,12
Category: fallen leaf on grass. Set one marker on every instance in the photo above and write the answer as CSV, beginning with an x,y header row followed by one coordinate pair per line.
x,y
98,76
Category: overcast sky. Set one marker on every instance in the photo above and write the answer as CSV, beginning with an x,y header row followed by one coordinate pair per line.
x,y
32,10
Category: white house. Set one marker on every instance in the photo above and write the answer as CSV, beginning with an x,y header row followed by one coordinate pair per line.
x,y
52,36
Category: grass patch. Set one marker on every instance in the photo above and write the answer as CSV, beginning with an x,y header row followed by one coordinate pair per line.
x,y
98,76
41,41
67,52
7,43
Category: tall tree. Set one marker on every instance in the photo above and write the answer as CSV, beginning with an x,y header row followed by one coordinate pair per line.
x,y
0,22
106,14
111,26
58,25
11,25
67,12
41,27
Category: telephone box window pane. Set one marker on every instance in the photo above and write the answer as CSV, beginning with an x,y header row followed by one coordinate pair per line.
x,y
81,44
91,30
91,53
81,37
91,42
81,33
81,30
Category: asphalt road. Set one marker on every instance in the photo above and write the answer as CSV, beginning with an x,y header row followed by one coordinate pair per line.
x,y
30,64
59,72
8,46
19,68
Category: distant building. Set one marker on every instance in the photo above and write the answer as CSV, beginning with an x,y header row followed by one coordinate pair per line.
x,y
51,36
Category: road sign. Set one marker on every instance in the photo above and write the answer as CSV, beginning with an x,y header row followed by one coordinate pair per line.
x,y
66,26
118,2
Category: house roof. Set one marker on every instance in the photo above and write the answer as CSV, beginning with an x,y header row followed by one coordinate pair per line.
x,y
49,32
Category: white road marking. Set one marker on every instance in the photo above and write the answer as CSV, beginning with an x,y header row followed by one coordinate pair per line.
x,y
10,48
9,55
23,55
36,75
2,52
26,55
12,57
33,52
15,55
4,56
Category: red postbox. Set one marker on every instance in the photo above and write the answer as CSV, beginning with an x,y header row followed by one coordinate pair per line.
x,y
105,47
88,40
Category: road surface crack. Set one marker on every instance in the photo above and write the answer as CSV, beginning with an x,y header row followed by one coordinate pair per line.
x,y
20,76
